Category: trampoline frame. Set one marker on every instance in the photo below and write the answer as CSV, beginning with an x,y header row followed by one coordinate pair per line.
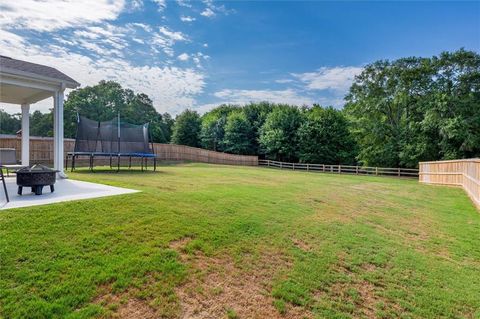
x,y
111,155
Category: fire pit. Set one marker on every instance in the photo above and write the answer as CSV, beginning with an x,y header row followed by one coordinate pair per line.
x,y
36,177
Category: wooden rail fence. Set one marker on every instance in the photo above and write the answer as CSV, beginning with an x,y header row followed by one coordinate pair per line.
x,y
342,169
464,173
41,151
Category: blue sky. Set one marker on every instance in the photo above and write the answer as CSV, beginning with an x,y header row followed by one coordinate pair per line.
x,y
199,54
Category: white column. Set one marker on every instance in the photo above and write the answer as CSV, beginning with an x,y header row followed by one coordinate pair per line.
x,y
26,134
58,163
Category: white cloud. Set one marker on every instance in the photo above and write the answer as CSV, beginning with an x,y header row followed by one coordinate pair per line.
x,y
336,78
209,13
166,38
49,15
162,4
171,88
183,57
288,96
283,81
172,35
184,3
187,18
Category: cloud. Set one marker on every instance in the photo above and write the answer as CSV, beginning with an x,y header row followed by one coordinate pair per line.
x,y
184,3
170,87
209,13
183,57
283,81
187,18
288,96
166,38
49,15
336,78
162,4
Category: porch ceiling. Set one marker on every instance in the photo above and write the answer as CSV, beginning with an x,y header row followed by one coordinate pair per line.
x,y
19,95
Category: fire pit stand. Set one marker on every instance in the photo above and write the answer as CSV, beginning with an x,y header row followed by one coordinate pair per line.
x,y
36,177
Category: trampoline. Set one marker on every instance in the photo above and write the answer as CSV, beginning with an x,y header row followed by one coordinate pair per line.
x,y
113,139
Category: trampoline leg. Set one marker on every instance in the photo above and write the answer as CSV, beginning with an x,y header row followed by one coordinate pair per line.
x,y
110,162
154,164
129,162
66,162
118,164
73,163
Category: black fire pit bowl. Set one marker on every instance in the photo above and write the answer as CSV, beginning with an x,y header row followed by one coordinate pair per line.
x,y
36,176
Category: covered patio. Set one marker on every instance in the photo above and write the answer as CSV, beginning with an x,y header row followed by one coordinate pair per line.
x,y
24,83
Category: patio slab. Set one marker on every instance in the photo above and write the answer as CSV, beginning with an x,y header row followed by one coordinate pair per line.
x,y
65,190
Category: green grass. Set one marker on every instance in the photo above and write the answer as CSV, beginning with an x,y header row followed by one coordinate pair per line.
x,y
353,246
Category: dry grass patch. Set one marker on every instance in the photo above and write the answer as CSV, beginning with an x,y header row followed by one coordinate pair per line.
x,y
218,287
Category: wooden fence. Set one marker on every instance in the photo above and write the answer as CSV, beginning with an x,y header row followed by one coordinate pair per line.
x,y
342,169
464,173
41,151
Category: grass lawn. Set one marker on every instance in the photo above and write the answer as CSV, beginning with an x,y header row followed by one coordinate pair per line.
x,y
206,241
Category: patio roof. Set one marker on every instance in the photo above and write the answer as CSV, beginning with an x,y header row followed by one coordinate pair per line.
x,y
41,81
24,83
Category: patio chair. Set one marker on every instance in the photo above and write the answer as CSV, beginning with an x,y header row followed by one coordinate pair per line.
x,y
8,160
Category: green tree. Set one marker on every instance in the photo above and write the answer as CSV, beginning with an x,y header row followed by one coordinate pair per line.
x,y
9,124
105,100
256,114
41,124
324,137
186,130
238,132
278,136
213,127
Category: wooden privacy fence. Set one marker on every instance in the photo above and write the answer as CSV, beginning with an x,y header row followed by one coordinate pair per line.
x,y
464,173
342,169
41,151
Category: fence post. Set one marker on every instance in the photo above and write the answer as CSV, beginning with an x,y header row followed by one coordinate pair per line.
x,y
323,167
268,163
280,165
307,168
399,172
339,169
293,166
376,170
356,170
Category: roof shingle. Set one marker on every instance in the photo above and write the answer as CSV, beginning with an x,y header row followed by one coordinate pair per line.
x,y
38,69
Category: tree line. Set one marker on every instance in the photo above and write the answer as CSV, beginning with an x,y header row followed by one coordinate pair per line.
x,y
396,114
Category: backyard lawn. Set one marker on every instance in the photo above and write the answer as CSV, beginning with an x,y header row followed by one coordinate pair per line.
x,y
207,241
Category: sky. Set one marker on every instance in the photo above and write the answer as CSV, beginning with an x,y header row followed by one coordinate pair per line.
x,y
200,54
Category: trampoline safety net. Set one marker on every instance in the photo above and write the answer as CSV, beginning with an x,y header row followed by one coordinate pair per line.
x,y
112,138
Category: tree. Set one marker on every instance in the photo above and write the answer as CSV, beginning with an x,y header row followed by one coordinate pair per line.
x,y
213,127
41,124
238,132
9,124
324,137
278,135
105,100
186,130
256,114
415,109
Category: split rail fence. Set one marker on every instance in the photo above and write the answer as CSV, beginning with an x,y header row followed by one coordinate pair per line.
x,y
342,169
464,173
41,151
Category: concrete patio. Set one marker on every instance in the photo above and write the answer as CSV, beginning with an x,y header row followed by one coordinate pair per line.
x,y
65,190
